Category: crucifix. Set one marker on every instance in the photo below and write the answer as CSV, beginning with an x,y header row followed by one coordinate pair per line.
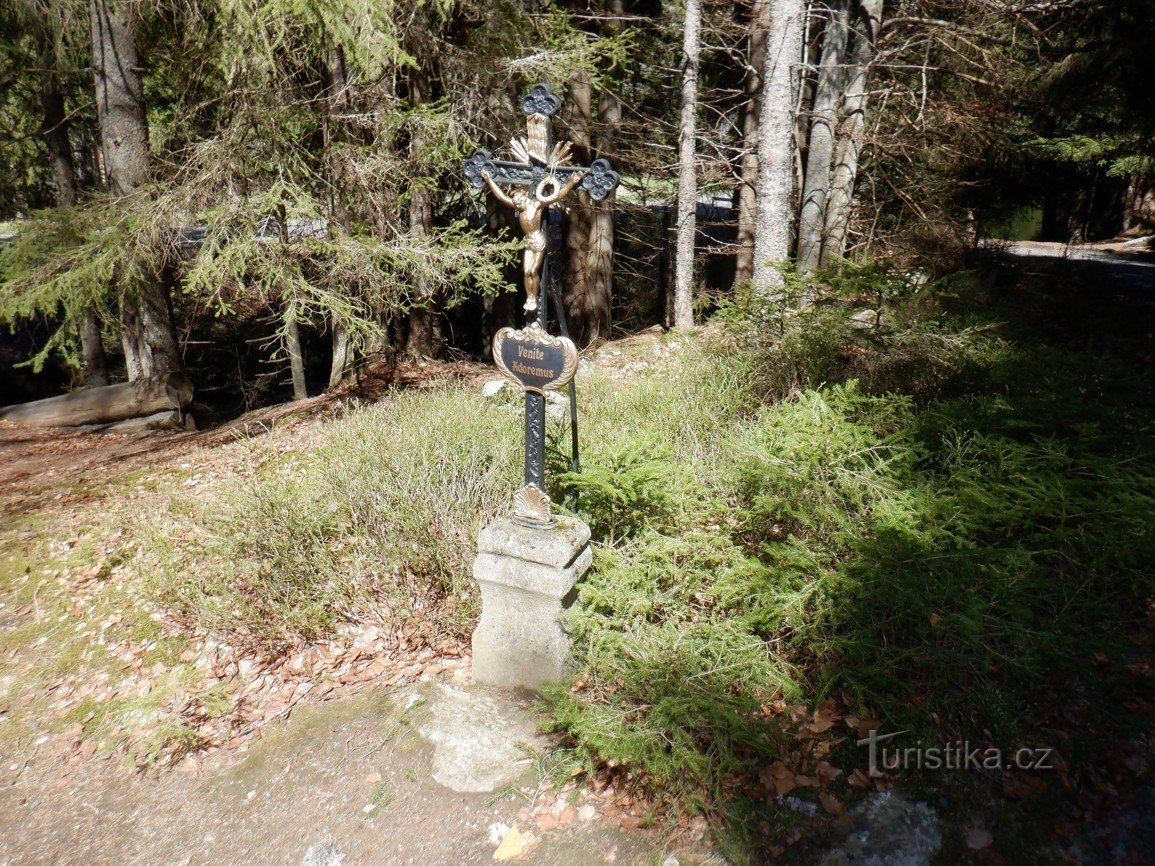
x,y
532,358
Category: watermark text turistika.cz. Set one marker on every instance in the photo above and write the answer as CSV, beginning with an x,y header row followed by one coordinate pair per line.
x,y
961,755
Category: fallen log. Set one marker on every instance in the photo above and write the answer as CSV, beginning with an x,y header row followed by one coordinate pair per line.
x,y
105,405
170,419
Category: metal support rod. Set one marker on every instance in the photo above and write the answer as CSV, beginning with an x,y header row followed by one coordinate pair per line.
x,y
575,458
534,402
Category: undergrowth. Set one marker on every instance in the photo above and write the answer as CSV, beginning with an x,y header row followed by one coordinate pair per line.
x,y
929,510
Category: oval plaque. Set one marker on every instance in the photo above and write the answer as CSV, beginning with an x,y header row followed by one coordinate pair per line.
x,y
535,360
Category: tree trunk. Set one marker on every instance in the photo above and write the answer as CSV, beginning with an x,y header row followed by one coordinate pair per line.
x,y
55,130
424,339
578,107
824,118
144,396
92,350
296,356
124,143
687,170
131,337
590,321
776,142
341,356
748,189
850,135
1139,205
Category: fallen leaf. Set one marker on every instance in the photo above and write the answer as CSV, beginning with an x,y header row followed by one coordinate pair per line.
x,y
513,844
782,778
830,804
546,821
858,779
826,773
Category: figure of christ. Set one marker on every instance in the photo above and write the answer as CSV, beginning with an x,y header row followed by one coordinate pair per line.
x,y
530,205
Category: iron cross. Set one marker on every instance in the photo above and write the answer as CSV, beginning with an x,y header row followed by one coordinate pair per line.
x,y
538,179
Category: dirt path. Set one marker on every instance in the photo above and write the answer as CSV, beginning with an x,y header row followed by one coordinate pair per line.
x,y
1134,271
352,782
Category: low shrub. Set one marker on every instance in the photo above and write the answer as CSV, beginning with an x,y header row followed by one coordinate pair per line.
x,y
951,544
381,515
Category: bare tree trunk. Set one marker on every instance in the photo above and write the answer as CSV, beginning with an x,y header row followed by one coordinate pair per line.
x,y
850,135
92,350
592,319
132,338
1139,205
776,142
824,117
424,340
55,130
296,356
578,108
341,357
124,143
687,170
748,190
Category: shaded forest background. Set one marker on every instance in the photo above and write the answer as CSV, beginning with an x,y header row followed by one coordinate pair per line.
x,y
267,193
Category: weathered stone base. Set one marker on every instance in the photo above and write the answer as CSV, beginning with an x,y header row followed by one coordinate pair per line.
x,y
527,577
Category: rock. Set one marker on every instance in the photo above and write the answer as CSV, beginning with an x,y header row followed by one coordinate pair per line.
x,y
479,738
888,831
323,853
867,319
492,388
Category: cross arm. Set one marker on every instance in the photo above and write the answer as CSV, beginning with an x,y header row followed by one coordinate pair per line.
x,y
599,179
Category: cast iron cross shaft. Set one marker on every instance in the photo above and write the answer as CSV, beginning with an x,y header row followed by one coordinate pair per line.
x,y
539,180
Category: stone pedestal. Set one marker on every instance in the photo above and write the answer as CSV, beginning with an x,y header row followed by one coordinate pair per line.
x,y
527,577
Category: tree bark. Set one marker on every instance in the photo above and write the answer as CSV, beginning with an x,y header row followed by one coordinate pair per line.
x,y
424,339
55,130
143,396
1139,205
341,355
748,189
776,142
578,108
824,118
687,170
296,356
124,143
850,134
131,337
92,350
591,321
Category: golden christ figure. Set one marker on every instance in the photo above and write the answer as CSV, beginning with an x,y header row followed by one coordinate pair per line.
x,y
530,204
